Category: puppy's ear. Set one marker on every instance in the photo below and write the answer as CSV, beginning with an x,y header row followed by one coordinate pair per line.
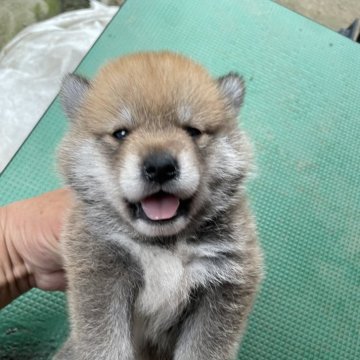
x,y
72,93
232,87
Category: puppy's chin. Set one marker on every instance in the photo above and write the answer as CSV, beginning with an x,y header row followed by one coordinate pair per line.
x,y
163,229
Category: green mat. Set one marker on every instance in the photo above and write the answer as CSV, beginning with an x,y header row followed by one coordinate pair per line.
x,y
302,111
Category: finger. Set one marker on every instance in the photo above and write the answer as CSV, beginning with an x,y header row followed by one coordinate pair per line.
x,y
51,281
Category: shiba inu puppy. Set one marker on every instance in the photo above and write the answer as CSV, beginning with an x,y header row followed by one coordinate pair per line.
x,y
160,249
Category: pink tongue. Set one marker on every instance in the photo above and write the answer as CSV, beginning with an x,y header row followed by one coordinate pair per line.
x,y
160,208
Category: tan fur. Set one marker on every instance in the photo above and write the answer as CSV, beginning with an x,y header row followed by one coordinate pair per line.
x,y
137,83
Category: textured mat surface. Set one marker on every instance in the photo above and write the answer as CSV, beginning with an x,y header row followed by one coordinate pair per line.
x,y
302,111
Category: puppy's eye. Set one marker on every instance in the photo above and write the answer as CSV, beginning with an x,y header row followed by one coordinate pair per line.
x,y
193,132
121,134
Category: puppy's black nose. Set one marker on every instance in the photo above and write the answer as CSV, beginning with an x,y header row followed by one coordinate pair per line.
x,y
160,167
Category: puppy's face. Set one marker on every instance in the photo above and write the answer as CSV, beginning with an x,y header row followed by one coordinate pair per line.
x,y
155,137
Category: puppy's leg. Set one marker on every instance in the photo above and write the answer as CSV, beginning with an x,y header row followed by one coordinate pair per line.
x,y
213,331
102,290
66,352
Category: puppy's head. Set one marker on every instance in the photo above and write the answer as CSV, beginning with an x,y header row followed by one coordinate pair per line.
x,y
156,138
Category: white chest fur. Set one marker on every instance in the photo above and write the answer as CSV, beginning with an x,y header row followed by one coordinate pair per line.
x,y
169,275
166,282
166,279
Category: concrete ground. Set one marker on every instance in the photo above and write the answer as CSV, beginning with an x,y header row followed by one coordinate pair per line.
x,y
334,14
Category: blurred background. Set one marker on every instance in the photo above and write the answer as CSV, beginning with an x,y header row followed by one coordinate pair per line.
x,y
334,14
17,14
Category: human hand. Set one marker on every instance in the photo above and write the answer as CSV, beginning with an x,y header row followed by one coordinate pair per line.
x,y
29,243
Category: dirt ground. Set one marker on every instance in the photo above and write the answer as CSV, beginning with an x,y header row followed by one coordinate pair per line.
x,y
334,14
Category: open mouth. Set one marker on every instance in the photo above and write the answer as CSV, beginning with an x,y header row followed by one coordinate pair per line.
x,y
159,208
